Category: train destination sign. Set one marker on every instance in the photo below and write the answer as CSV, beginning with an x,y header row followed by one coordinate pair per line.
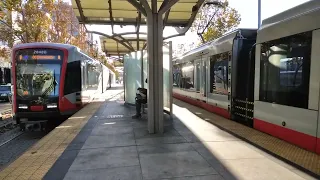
x,y
39,57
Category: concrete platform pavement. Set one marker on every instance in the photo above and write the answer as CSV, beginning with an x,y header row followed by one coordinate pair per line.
x,y
36,161
112,146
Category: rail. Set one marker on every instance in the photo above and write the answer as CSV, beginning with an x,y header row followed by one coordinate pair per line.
x,y
4,114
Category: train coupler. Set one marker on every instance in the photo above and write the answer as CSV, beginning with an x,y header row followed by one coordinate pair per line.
x,y
33,125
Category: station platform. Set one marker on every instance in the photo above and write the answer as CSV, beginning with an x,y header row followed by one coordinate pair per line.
x,y
102,141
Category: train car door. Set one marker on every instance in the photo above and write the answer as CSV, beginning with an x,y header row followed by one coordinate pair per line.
x,y
203,88
197,64
315,79
242,92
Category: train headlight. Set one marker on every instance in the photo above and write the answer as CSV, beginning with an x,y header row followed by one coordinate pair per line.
x,y
22,106
4,94
53,105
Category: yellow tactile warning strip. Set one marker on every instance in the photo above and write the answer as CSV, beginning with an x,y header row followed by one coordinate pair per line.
x,y
299,156
37,161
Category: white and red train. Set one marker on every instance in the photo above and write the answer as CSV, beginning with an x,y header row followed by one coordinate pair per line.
x,y
268,78
51,81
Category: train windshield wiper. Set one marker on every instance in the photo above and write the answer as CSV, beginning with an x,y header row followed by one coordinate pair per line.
x,y
51,87
54,82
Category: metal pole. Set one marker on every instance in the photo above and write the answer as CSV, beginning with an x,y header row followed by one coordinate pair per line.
x,y
155,70
259,13
142,72
171,77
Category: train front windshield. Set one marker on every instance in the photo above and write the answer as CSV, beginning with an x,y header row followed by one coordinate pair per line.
x,y
38,72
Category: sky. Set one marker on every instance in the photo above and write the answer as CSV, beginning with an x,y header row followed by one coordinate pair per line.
x,y
248,9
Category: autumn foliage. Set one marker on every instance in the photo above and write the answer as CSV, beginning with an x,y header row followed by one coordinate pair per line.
x,y
27,21
215,20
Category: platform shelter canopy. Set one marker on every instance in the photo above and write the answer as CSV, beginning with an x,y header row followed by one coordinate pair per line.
x,y
132,12
123,12
120,46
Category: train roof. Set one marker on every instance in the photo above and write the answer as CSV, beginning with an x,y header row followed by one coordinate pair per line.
x,y
46,44
217,46
302,18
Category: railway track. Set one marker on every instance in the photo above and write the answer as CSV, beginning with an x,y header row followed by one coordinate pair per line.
x,y
14,143
11,138
7,125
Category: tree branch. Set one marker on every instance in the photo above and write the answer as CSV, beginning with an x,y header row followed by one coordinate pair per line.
x,y
12,30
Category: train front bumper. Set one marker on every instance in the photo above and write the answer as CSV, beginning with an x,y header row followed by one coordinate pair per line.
x,y
34,116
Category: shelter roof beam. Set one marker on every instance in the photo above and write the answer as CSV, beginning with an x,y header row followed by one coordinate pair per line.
x,y
128,33
165,19
102,22
138,30
166,5
130,48
83,18
138,23
146,6
154,7
134,40
111,17
123,40
139,7
195,9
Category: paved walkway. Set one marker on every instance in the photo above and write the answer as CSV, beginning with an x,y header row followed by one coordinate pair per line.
x,y
36,161
112,146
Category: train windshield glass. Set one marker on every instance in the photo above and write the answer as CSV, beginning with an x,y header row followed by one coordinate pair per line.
x,y
38,72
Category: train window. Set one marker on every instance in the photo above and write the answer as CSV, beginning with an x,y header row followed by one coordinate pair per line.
x,y
198,80
219,73
94,76
177,76
187,79
285,70
73,78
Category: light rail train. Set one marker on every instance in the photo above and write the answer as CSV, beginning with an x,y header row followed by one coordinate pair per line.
x,y
268,78
53,81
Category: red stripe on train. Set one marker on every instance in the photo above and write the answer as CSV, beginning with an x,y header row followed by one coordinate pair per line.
x,y
300,139
318,146
220,111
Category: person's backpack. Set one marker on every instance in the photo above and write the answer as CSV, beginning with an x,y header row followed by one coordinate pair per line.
x,y
143,91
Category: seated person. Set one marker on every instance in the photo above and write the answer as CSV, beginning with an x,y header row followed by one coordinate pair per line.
x,y
141,98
